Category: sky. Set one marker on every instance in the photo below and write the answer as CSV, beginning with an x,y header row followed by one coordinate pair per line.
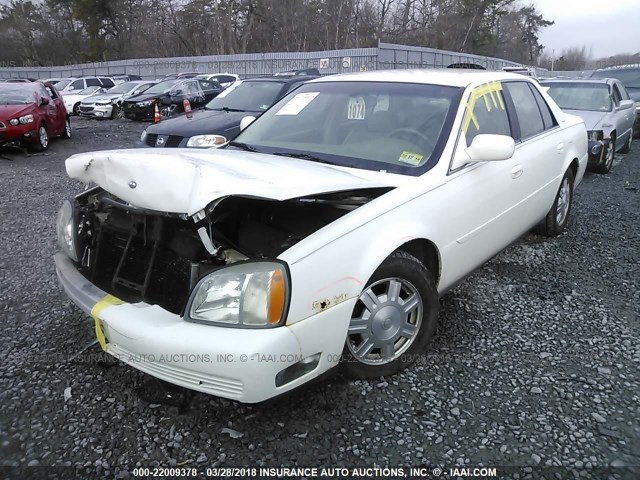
x,y
608,27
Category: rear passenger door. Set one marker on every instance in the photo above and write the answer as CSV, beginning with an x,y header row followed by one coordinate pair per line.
x,y
540,151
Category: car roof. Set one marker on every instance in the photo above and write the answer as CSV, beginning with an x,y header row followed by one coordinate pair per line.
x,y
580,80
446,77
283,78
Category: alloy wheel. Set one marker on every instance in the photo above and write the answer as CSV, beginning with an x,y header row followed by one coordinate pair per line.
x,y
386,321
564,200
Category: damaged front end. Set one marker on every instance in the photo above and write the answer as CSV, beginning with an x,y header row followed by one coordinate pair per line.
x,y
141,255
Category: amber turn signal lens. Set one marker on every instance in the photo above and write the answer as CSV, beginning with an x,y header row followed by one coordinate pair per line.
x,y
276,297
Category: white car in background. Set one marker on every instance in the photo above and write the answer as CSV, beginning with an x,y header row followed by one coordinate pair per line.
x,y
72,100
322,235
107,104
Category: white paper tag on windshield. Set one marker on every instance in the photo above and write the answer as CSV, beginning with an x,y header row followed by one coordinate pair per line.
x,y
297,103
357,108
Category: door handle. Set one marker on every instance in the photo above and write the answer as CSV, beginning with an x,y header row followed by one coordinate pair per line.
x,y
516,171
560,147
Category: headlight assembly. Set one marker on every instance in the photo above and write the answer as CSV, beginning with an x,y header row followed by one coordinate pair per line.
x,y
248,294
204,141
26,119
66,230
14,121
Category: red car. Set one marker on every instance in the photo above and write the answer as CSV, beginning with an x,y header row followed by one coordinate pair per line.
x,y
30,114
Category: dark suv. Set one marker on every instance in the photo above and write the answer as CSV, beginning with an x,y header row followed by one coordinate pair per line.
x,y
629,75
219,120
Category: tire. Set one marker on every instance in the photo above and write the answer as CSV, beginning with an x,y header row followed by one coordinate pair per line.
x,y
627,145
558,217
378,322
607,159
42,140
76,109
66,133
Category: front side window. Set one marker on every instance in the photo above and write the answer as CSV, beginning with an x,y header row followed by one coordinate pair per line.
x,y
616,95
77,85
486,114
395,127
527,111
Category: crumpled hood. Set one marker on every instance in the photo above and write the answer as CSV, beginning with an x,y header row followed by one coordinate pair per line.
x,y
186,181
592,120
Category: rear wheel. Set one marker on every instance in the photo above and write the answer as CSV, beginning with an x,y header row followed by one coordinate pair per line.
x,y
42,139
558,217
76,109
66,133
607,159
394,319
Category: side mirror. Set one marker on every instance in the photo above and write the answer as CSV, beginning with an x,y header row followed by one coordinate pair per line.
x,y
44,101
485,148
246,121
491,148
625,104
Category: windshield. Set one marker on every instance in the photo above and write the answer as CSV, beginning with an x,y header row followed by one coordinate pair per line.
x,y
62,83
16,96
630,78
395,127
247,97
161,87
593,97
123,87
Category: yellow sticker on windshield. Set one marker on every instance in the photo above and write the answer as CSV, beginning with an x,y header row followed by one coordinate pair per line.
x,y
410,157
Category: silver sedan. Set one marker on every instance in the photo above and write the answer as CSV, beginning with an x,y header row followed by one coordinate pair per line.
x,y
607,111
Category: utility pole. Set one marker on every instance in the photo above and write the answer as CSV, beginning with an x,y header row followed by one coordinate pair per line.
x,y
553,57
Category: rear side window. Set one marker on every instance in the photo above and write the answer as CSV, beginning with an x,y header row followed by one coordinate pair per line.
x,y
93,82
225,79
489,116
107,82
527,110
623,92
547,116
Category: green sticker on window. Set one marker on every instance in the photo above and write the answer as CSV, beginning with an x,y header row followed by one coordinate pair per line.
x,y
410,157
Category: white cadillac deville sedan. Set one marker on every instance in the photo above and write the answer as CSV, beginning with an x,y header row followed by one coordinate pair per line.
x,y
323,235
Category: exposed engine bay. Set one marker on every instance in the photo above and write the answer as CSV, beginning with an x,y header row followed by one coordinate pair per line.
x,y
141,255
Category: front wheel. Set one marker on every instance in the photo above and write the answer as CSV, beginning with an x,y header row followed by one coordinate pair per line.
x,y
558,217
394,319
607,160
627,145
42,140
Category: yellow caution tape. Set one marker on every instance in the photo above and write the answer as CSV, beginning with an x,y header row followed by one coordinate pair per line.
x,y
490,93
107,301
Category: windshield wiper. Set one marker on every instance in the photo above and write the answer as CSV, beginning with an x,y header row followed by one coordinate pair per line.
x,y
243,146
227,109
303,156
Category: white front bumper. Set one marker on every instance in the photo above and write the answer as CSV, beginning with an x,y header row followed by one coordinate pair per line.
x,y
234,363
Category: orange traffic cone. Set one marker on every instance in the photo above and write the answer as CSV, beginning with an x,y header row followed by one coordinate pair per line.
x,y
156,113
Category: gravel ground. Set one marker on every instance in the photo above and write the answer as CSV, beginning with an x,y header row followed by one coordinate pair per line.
x,y
536,361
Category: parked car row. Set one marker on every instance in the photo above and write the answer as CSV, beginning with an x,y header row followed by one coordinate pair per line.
x,y
320,236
